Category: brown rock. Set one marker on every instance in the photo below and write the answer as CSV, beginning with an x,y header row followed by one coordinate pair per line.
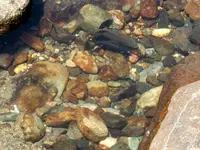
x,y
32,127
32,41
76,89
106,73
149,9
97,88
45,26
182,74
139,121
193,9
52,75
85,61
91,125
31,97
180,127
20,58
118,63
5,60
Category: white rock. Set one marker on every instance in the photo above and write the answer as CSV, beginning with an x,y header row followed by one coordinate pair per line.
x,y
107,143
11,12
162,32
149,98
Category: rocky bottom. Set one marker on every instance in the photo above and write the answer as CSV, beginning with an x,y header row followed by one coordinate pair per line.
x,y
101,79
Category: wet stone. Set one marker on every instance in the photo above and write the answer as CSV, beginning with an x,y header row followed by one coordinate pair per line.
x,y
152,79
176,19
20,58
149,9
114,121
169,61
142,87
163,20
65,145
131,131
163,77
5,60
82,144
150,112
120,146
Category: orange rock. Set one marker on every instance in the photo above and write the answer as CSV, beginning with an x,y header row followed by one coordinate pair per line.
x,y
60,118
85,61
32,41
106,73
193,9
90,123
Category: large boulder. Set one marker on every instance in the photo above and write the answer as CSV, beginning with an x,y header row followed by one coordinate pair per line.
x,y
184,73
180,128
12,13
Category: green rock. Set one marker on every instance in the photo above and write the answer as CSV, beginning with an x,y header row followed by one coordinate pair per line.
x,y
120,146
94,17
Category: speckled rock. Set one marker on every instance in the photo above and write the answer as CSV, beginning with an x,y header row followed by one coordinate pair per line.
x,y
32,127
149,9
118,63
11,14
86,62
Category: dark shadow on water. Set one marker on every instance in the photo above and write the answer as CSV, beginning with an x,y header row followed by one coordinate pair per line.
x,y
11,38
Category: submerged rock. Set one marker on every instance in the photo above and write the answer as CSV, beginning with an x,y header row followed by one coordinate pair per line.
x,y
182,120
32,127
94,17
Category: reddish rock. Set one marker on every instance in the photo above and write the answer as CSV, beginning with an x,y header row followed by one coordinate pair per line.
x,y
193,9
85,61
20,58
149,9
32,41
180,128
5,60
106,73
184,73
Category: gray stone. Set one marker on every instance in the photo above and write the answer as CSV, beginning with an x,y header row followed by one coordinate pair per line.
x,y
120,146
152,69
114,121
11,12
180,128
65,145
142,87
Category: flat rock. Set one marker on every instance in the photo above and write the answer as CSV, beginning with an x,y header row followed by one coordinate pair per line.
x,y
180,128
11,13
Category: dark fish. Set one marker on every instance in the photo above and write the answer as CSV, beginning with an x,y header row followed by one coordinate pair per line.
x,y
114,46
117,37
